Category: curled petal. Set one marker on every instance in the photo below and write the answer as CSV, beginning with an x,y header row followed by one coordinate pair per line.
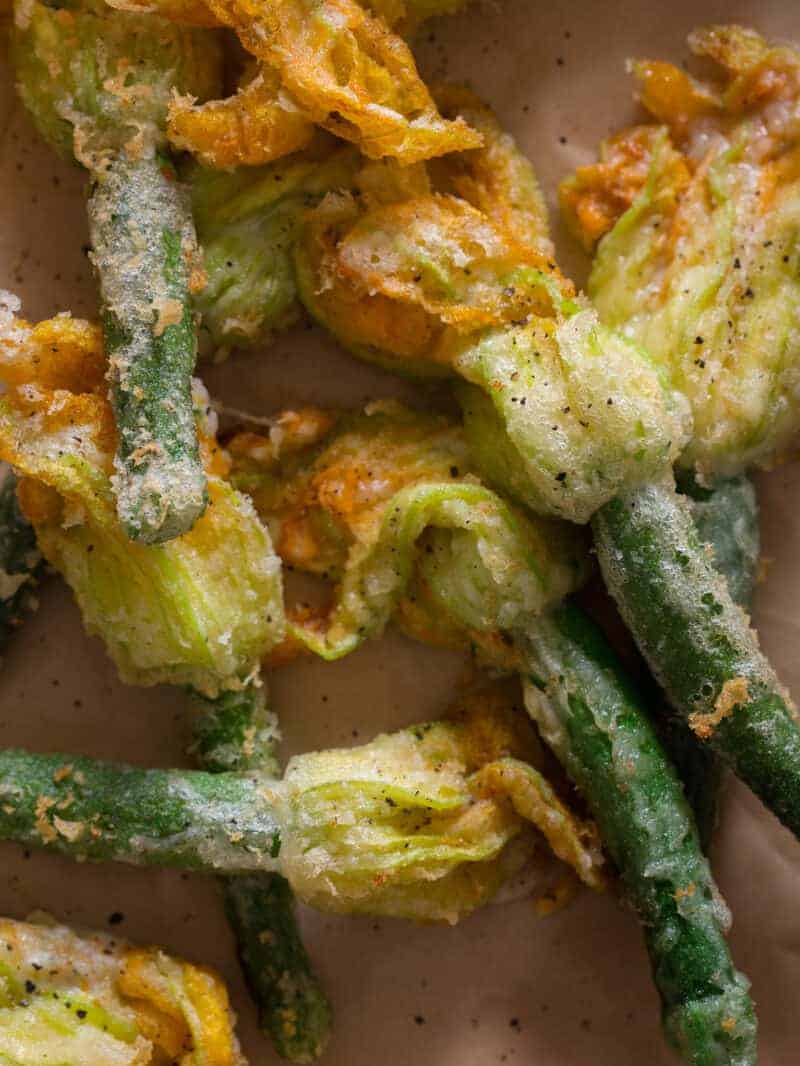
x,y
496,178
441,254
350,73
258,124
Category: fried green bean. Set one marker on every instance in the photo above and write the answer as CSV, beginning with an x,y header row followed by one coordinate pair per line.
x,y
237,732
98,85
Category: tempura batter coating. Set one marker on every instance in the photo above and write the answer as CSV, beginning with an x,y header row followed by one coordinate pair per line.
x,y
697,217
98,1001
350,74
563,412
258,124
220,582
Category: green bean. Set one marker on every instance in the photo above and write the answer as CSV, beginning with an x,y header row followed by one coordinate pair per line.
x,y
698,643
143,237
727,520
592,718
237,732
69,63
293,1007
87,810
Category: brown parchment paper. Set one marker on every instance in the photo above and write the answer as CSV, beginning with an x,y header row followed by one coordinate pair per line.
x,y
505,986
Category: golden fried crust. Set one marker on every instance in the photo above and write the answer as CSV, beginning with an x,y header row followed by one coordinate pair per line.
x,y
358,317
256,125
467,255
672,96
349,72
598,195
59,353
199,1016
495,178
496,725
755,77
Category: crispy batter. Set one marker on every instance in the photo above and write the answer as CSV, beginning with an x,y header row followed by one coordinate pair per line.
x,y
754,77
599,194
349,72
575,842
496,178
443,255
673,96
734,693
258,124
184,1006
59,353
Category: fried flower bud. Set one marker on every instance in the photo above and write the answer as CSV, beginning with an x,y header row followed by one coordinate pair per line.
x,y
360,506
428,823
247,222
88,998
200,610
349,73
564,412
696,218
256,125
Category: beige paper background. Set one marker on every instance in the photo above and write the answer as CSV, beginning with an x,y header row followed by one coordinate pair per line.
x,y
577,983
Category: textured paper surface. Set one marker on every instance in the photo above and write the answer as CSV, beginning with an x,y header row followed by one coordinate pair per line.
x,y
571,990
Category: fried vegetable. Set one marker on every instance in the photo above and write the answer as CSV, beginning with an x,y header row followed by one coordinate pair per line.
x,y
726,518
699,643
360,506
496,178
247,223
258,124
185,12
698,215
349,73
98,1001
237,732
74,67
200,610
566,412
592,719
144,246
293,1008
464,580
99,85
698,267
727,523
426,823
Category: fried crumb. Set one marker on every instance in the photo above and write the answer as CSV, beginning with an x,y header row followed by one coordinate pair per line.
x,y
734,693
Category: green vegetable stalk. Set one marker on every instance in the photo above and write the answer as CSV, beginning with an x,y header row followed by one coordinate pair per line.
x,y
141,230
237,732
98,84
727,522
217,823
595,723
700,644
